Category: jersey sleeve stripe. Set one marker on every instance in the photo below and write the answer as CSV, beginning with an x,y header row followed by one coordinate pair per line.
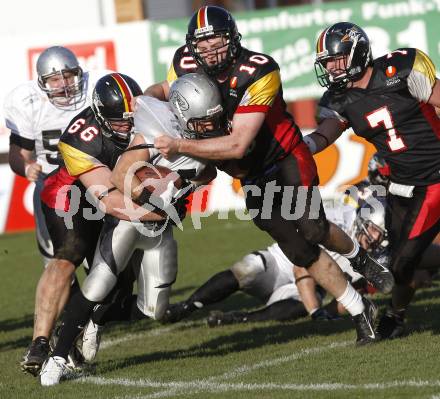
x,y
422,77
76,161
125,90
244,109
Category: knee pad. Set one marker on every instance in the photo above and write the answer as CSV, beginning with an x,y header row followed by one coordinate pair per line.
x,y
246,270
99,283
158,272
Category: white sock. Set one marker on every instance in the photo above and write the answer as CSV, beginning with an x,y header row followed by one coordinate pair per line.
x,y
351,301
353,253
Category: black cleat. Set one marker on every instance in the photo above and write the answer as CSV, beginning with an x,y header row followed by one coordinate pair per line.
x,y
217,318
364,323
176,312
391,325
35,356
379,276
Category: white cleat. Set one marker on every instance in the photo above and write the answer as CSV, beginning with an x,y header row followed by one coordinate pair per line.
x,y
53,369
91,341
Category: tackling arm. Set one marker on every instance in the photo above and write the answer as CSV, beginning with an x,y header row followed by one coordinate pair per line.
x,y
97,182
124,167
245,127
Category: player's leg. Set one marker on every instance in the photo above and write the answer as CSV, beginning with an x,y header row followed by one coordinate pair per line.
x,y
115,246
242,275
55,284
314,227
303,252
157,273
412,225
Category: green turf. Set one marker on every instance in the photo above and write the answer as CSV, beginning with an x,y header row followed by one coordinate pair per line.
x,y
189,360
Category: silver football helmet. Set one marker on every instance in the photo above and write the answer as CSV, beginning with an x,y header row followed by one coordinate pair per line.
x,y
67,92
369,226
196,101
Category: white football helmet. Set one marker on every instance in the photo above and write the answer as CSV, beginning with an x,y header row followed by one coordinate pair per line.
x,y
60,61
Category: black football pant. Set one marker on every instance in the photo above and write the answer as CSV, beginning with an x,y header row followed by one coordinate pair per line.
x,y
290,209
412,225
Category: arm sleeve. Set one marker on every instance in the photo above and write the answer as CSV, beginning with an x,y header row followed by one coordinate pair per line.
x,y
422,77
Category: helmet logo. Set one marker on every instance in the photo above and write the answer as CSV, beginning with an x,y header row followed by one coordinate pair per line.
x,y
351,35
180,101
233,83
390,71
204,31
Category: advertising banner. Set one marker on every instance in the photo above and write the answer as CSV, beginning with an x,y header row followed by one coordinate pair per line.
x,y
289,35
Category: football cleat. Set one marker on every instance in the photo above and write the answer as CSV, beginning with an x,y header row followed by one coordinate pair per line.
x,y
379,276
176,312
53,370
75,359
391,325
91,340
364,323
35,356
217,318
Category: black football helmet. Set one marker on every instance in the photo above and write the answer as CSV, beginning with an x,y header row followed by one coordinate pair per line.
x,y
378,171
348,45
209,22
111,102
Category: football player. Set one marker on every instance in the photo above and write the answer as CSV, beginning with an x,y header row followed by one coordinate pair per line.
x,y
90,147
390,102
277,168
37,112
119,238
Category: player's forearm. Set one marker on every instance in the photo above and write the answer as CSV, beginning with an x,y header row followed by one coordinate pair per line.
x,y
219,148
158,91
121,207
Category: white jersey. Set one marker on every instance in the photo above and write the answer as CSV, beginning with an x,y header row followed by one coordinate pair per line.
x,y
154,118
37,123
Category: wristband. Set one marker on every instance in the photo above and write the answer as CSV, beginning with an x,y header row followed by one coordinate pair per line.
x,y
310,143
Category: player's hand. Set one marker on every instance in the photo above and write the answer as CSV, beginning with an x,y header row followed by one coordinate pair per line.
x,y
32,170
166,145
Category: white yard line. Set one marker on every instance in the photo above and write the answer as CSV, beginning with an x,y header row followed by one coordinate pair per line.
x,y
206,386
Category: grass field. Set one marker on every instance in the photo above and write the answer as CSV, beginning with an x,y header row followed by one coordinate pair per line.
x,y
304,359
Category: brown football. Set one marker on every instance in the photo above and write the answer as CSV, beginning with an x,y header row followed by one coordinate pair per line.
x,y
157,178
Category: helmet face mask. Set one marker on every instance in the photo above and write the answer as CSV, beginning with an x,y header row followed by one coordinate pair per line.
x,y
111,104
196,102
213,39
343,54
61,78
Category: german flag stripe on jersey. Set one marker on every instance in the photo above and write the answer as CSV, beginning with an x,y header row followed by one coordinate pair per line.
x,y
320,44
77,162
260,96
127,95
202,18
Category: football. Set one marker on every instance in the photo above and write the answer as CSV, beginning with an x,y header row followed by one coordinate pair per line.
x,y
157,179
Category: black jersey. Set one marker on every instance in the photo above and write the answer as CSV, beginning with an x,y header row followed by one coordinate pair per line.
x,y
392,113
83,148
253,85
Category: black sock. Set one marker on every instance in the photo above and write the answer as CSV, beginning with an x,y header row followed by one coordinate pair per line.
x,y
287,309
217,288
76,315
